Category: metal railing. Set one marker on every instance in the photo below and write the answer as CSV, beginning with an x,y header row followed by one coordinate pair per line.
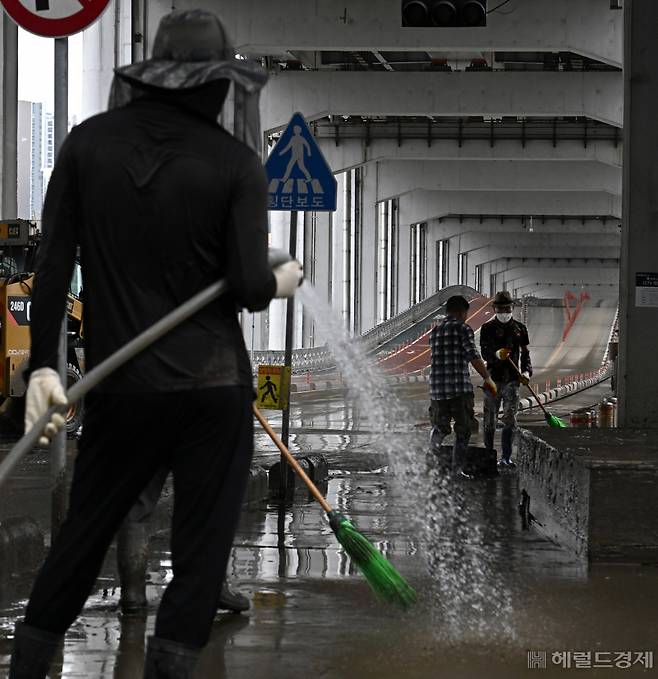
x,y
387,330
320,358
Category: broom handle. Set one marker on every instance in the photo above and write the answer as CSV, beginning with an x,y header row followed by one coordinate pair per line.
x,y
291,460
532,391
123,355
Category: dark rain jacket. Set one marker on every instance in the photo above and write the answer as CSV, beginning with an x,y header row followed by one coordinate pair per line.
x,y
495,335
162,202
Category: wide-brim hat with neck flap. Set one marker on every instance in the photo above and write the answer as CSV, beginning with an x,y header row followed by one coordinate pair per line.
x,y
191,48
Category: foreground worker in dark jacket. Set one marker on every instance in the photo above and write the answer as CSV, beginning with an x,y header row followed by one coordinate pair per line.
x,y
501,339
453,348
162,202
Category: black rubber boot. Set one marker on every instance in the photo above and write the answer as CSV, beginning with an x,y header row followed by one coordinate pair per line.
x,y
33,652
167,659
506,438
132,561
232,601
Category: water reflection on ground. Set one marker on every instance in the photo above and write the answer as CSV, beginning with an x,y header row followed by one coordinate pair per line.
x,y
312,615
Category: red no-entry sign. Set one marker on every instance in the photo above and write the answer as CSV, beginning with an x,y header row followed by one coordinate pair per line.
x,y
54,18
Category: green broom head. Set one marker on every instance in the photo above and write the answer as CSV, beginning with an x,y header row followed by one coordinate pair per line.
x,y
382,577
555,422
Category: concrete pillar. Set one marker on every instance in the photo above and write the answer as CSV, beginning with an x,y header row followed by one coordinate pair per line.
x,y
279,229
453,260
357,249
337,247
298,330
383,217
368,262
638,319
403,267
322,253
8,207
105,44
309,228
347,227
430,274
98,61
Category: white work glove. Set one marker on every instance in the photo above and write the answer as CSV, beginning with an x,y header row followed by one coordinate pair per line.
x,y
289,277
503,354
44,390
525,378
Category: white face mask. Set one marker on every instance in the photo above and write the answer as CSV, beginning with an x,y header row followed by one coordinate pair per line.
x,y
504,318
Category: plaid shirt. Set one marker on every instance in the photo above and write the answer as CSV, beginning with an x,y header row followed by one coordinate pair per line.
x,y
453,347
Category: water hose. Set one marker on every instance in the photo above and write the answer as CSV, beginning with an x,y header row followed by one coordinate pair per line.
x,y
96,375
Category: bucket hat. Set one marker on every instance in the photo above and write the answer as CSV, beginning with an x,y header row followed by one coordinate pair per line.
x,y
502,298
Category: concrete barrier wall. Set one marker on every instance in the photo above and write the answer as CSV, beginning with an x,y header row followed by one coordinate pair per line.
x,y
558,487
594,491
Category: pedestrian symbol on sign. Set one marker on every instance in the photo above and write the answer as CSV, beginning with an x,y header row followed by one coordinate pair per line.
x,y
299,177
297,145
270,390
273,385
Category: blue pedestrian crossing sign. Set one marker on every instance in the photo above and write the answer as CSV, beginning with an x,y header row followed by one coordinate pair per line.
x,y
298,176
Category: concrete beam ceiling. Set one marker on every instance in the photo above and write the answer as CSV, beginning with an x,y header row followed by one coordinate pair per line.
x,y
420,206
586,27
509,227
568,279
354,152
560,273
493,252
598,291
503,264
395,178
541,243
318,94
609,274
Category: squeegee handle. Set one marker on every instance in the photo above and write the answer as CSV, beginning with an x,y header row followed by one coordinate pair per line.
x,y
123,355
532,391
291,461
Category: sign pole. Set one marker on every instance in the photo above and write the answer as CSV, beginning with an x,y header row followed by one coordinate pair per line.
x,y
299,180
58,445
290,324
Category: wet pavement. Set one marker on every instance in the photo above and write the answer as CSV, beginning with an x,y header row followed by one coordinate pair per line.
x,y
312,615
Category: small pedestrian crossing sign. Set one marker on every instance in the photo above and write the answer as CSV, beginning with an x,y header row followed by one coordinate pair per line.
x,y
299,177
273,381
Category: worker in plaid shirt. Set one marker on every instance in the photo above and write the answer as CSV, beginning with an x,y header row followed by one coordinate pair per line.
x,y
453,347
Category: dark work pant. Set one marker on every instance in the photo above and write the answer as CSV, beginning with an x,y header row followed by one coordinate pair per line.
x,y
459,409
206,438
508,396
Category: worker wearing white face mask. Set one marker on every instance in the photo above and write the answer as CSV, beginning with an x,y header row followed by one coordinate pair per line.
x,y
503,339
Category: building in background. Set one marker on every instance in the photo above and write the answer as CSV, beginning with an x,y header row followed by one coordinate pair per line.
x,y
36,157
30,159
48,142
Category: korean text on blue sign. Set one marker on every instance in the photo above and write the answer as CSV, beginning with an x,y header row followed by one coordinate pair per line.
x,y
298,176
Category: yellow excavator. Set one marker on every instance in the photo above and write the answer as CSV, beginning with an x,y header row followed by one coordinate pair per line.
x,y
19,242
